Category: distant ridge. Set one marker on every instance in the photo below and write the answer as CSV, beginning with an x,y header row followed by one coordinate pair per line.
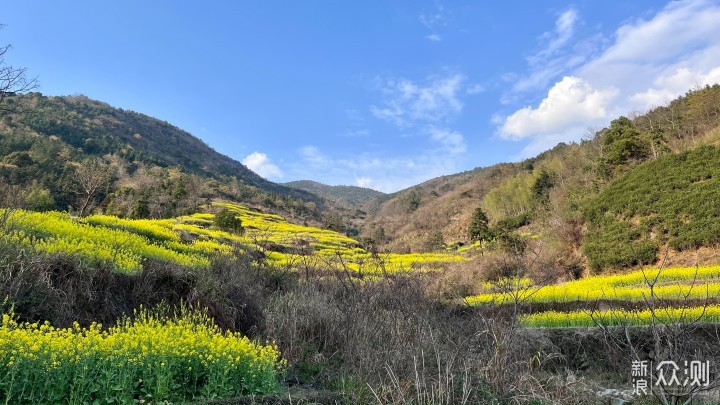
x,y
351,196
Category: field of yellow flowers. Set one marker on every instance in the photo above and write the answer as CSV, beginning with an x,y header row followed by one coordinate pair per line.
x,y
672,283
616,317
673,286
152,358
192,241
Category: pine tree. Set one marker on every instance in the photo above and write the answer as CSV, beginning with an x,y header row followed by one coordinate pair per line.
x,y
479,229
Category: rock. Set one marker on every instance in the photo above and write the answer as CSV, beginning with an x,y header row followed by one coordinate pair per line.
x,y
614,396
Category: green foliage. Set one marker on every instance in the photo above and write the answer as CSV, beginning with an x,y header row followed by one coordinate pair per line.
x,y
156,357
412,201
349,196
510,242
435,241
542,186
228,221
670,200
512,223
159,171
479,230
623,145
39,199
514,196
615,244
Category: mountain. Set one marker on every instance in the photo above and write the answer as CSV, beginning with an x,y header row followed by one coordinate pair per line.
x,y
349,196
554,198
98,129
44,141
148,168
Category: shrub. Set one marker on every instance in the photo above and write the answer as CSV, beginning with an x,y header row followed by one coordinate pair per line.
x,y
227,220
670,200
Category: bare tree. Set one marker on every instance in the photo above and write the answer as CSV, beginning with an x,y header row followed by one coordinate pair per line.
x,y
91,178
12,198
670,337
13,80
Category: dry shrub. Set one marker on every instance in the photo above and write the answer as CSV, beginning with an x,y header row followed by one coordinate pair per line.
x,y
458,280
386,340
383,341
62,289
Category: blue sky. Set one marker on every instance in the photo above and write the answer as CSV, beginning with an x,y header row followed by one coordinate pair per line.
x,y
382,94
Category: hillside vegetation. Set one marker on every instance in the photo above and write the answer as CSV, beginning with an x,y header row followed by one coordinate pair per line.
x,y
443,297
195,240
644,171
348,196
670,201
80,154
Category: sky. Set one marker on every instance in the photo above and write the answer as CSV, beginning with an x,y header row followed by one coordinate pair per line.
x,y
378,94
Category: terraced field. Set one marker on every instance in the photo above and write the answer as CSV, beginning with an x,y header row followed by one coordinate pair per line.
x,y
193,241
672,291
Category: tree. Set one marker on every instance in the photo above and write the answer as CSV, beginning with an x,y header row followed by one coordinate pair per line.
x,y
226,219
12,80
412,201
91,178
623,143
479,230
541,188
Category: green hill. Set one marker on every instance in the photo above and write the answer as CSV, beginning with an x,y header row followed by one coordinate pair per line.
x,y
350,196
672,200
45,140
550,197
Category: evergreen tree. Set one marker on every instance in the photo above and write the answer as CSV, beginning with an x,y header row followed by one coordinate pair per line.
x,y
479,229
226,220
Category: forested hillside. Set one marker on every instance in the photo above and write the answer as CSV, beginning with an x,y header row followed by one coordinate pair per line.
x,y
348,196
559,196
79,154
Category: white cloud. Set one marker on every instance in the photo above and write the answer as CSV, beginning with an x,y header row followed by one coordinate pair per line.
x,y
434,20
260,163
556,40
437,17
434,37
452,141
364,182
406,103
570,103
646,63
475,89
678,31
380,171
558,53
666,88
313,156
